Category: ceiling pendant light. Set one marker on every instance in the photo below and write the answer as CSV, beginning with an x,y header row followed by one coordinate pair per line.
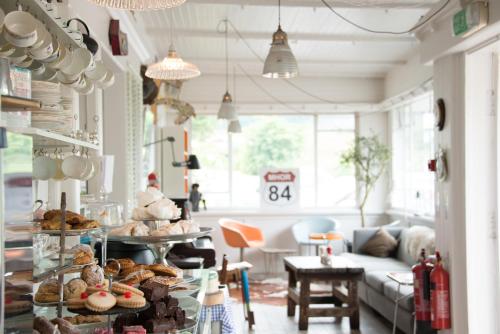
x,y
227,109
139,4
280,61
234,126
172,68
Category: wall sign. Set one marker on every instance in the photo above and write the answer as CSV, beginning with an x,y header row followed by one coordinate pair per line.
x,y
279,187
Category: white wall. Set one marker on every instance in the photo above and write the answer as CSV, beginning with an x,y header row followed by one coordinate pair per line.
x,y
405,78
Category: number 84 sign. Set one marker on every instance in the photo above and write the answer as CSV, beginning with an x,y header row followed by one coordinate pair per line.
x,y
279,187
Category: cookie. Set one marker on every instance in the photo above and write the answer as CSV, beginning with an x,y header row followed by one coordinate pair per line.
x,y
100,301
162,270
133,269
85,319
77,303
169,281
93,275
74,288
130,300
121,289
112,269
126,263
138,277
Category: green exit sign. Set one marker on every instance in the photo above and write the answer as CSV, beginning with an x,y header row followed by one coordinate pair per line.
x,y
470,19
460,26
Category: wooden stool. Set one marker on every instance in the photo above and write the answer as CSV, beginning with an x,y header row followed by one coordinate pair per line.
x,y
238,273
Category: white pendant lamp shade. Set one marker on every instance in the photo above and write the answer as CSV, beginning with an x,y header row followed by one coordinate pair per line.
x,y
280,62
172,68
227,109
234,126
139,4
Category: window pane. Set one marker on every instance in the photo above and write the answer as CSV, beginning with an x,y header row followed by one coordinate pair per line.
x,y
209,141
272,141
412,147
148,152
336,182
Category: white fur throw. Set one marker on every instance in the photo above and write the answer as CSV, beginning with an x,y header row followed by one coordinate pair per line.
x,y
418,237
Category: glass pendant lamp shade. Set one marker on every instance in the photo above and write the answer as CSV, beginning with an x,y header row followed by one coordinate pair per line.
x,y
172,68
227,109
234,126
139,4
280,62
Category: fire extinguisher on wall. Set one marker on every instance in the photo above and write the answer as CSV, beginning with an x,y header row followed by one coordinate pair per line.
x,y
422,294
440,296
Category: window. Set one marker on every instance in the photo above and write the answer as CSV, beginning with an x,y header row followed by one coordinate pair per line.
x,y
231,164
148,151
412,146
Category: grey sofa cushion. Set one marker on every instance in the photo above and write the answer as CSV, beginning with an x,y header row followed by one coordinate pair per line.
x,y
403,254
376,279
391,291
371,263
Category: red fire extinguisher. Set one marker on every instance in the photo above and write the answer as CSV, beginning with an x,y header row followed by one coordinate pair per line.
x,y
440,296
421,287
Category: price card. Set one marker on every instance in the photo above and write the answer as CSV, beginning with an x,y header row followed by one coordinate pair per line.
x,y
279,187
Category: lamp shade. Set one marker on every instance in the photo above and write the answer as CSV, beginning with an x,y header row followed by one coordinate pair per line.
x,y
280,62
172,68
192,162
139,4
234,126
227,109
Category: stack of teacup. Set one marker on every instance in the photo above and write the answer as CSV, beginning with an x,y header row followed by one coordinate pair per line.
x,y
54,167
27,43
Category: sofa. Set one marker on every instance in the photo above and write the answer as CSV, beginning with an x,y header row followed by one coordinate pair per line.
x,y
376,289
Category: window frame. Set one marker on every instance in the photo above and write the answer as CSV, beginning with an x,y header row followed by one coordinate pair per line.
x,y
316,131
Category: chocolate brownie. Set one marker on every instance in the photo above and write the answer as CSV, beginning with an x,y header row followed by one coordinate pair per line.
x,y
123,320
159,326
154,291
157,310
180,317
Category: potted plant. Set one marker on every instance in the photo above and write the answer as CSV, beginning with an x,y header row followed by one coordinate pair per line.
x,y
370,158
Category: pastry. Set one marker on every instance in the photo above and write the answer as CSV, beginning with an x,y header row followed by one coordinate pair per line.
x,y
141,214
71,217
74,288
100,301
126,263
48,292
123,320
162,270
77,302
42,297
169,281
121,288
85,319
128,271
133,330
17,306
65,327
130,300
172,304
82,254
112,269
43,325
86,224
93,275
125,230
163,209
189,226
154,291
179,316
160,325
53,225
138,276
171,229
139,230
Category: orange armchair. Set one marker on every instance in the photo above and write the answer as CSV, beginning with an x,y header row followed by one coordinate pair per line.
x,y
239,235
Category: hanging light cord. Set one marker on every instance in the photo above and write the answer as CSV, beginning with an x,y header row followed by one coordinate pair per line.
x,y
227,55
415,27
279,13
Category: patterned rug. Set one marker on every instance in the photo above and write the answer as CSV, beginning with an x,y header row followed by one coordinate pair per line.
x,y
271,291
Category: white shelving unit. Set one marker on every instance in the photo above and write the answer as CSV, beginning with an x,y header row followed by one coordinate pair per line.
x,y
47,139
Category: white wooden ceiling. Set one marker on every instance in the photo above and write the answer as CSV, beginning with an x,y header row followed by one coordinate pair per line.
x,y
324,45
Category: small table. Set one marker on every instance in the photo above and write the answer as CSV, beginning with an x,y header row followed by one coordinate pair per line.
x,y
307,269
400,279
326,237
272,255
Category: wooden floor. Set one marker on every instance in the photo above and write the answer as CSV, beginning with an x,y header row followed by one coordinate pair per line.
x,y
273,320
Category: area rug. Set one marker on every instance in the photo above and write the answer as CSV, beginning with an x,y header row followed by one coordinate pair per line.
x,y
270,291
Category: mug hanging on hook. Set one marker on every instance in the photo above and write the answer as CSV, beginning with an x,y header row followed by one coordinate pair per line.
x,y
91,43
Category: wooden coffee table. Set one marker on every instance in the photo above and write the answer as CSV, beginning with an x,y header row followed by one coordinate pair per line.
x,y
307,269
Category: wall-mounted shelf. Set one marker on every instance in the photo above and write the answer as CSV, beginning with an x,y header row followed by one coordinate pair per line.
x,y
47,139
14,103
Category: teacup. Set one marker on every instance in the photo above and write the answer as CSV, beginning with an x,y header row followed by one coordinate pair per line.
x,y
88,88
59,175
81,61
108,80
62,78
20,29
37,68
44,168
25,63
74,167
63,59
43,48
42,33
98,74
89,170
18,56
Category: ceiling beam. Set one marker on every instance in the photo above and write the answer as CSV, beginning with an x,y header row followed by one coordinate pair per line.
x,y
307,62
255,35
404,4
